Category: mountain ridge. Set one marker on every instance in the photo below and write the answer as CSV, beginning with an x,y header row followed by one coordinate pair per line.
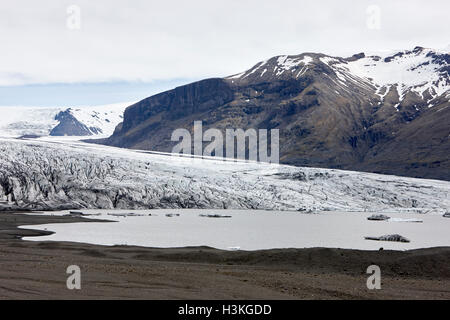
x,y
385,114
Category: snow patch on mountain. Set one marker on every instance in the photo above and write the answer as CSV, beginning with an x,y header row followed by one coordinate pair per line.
x,y
278,65
105,117
286,63
420,70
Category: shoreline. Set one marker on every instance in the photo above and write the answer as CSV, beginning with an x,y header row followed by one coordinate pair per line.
x,y
36,270
10,223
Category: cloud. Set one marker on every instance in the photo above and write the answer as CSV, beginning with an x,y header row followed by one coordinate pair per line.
x,y
147,40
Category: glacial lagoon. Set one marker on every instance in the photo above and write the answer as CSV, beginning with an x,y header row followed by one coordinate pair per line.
x,y
249,229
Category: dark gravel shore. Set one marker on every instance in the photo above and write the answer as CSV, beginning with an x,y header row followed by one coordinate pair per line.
x,y
37,270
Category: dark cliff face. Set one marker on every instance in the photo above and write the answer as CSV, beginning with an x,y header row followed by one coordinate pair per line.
x,y
149,123
321,123
181,102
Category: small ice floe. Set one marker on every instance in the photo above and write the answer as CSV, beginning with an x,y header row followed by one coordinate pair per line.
x,y
117,214
129,214
389,237
378,217
82,214
170,215
76,213
405,220
234,248
214,216
307,210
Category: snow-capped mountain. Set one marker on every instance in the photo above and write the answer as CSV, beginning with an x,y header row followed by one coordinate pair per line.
x,y
422,71
74,121
385,113
62,174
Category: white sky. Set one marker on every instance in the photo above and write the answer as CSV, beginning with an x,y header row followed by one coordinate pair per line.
x,y
145,40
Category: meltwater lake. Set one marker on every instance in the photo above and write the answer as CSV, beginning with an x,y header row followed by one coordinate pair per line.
x,y
249,229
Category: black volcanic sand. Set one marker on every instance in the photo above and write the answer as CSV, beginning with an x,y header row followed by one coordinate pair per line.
x,y
37,270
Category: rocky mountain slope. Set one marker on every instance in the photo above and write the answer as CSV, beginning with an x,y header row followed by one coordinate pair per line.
x,y
61,121
51,174
378,113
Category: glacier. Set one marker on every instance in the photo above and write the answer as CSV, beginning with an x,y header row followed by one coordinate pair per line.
x,y
19,121
53,173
